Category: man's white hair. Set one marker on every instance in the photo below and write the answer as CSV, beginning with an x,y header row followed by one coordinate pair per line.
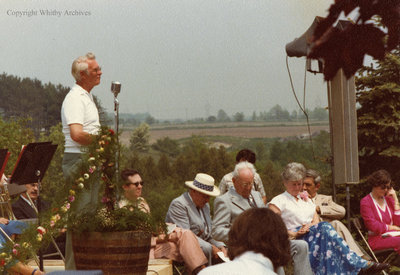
x,y
80,64
242,165
294,171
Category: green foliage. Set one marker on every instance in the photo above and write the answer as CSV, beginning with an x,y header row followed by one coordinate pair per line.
x,y
222,116
150,120
14,134
164,166
283,152
54,176
272,180
167,146
140,138
319,113
378,94
30,98
123,219
260,150
277,113
238,116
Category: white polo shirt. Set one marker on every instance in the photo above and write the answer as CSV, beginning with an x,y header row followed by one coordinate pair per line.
x,y
78,107
294,212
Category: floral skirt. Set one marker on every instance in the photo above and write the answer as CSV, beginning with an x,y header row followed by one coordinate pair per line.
x,y
329,253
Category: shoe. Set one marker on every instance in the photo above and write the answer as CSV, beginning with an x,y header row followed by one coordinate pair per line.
x,y
374,268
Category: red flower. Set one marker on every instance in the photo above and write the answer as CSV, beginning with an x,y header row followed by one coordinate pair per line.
x,y
111,131
105,200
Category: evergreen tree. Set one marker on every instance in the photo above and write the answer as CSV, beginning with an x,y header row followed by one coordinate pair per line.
x,y
222,116
260,150
167,145
254,116
272,180
378,94
14,134
40,103
140,138
238,116
164,166
54,176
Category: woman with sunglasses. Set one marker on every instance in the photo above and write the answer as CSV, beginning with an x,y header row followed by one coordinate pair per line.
x,y
380,210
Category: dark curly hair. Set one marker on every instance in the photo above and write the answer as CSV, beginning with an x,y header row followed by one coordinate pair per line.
x,y
262,231
379,178
247,155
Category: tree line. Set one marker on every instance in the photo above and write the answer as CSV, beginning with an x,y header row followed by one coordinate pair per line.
x,y
39,103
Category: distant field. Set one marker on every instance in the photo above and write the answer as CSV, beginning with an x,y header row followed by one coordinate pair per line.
x,y
249,131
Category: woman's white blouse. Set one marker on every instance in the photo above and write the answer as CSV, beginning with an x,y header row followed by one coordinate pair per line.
x,y
294,213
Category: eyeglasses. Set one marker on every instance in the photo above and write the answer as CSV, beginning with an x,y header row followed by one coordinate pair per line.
x,y
383,187
137,183
247,184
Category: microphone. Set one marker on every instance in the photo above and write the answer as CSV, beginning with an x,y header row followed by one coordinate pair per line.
x,y
115,88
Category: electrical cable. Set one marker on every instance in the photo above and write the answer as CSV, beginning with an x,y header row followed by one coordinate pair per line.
x,y
302,108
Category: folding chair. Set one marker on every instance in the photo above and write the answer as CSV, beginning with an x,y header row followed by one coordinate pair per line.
x,y
387,255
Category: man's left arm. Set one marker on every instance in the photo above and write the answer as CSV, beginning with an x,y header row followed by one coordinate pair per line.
x,y
221,221
329,209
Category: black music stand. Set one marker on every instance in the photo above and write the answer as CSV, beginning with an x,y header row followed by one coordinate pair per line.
x,y
31,166
4,154
9,189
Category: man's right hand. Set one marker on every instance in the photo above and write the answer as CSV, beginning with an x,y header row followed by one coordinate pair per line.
x,y
215,250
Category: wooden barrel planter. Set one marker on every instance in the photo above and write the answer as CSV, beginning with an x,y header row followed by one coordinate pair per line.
x,y
113,252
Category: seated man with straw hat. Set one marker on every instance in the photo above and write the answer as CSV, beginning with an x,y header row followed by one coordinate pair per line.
x,y
191,211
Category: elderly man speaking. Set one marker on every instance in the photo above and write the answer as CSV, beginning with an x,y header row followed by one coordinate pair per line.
x,y
80,120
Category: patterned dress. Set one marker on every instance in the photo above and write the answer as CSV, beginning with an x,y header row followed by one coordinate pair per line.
x,y
328,252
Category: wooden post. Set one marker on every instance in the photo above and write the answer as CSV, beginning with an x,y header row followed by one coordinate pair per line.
x,y
343,125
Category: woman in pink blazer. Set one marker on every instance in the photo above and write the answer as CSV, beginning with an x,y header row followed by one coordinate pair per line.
x,y
380,210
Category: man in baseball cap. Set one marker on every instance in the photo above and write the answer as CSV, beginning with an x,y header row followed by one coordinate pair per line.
x,y
191,211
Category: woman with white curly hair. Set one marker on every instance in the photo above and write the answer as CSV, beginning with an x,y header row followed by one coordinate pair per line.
x,y
328,252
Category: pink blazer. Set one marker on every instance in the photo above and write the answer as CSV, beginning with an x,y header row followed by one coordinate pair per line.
x,y
371,217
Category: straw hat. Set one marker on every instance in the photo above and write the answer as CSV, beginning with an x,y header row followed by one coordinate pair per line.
x,y
204,184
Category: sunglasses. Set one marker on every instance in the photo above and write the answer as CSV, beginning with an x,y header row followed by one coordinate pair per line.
x,y
137,183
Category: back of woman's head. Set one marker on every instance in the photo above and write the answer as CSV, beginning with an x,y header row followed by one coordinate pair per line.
x,y
379,178
262,231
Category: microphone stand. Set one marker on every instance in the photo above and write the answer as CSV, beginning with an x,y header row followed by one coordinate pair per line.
x,y
116,124
115,89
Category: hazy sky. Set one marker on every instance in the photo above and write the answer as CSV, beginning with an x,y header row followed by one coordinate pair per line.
x,y
175,59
